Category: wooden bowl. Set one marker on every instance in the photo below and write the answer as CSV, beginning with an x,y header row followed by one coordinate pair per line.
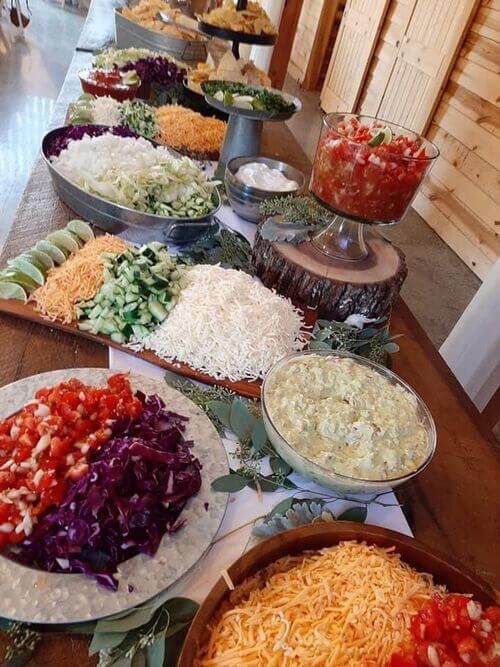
x,y
317,536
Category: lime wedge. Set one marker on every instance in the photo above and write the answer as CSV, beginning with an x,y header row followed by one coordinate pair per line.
x,y
24,266
28,258
42,259
383,136
19,278
228,98
63,240
12,291
52,250
82,229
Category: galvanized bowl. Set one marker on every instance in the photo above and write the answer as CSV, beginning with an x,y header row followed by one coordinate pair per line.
x,y
131,34
115,218
245,200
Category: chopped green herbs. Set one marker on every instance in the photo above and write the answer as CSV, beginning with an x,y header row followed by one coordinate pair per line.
x,y
247,97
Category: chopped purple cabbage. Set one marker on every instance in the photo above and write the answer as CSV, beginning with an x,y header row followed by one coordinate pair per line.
x,y
62,139
133,493
156,70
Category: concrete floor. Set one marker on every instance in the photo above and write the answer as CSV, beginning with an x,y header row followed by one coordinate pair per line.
x,y
32,71
439,285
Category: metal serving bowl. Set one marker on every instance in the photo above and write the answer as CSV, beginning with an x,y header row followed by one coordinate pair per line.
x,y
327,476
131,34
115,218
245,199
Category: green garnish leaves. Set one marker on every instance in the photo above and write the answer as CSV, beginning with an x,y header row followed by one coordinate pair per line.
x,y
262,99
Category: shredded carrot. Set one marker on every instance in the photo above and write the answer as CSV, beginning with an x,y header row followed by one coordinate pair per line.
x,y
186,130
78,279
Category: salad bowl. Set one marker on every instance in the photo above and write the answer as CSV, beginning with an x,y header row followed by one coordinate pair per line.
x,y
115,218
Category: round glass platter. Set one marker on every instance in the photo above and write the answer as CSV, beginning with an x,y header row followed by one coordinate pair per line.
x,y
35,596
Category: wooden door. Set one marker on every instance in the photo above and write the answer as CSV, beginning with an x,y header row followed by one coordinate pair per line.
x,y
352,53
422,58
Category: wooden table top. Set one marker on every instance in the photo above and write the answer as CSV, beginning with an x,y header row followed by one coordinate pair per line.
x,y
454,505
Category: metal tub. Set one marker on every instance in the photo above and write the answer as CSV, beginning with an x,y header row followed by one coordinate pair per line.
x,y
116,219
130,34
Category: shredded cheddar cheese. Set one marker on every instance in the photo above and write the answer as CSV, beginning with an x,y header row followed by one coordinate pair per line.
x,y
78,279
186,130
345,606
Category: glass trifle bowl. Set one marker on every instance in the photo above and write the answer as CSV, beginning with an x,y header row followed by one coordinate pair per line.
x,y
367,171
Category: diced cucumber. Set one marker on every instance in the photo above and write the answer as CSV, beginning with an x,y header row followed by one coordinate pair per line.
x,y
157,311
140,288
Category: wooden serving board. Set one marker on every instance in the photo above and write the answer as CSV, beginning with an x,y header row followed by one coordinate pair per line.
x,y
247,388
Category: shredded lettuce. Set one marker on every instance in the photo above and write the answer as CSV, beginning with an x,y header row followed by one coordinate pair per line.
x,y
133,173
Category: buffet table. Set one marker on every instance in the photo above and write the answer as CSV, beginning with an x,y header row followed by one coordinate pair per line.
x,y
453,505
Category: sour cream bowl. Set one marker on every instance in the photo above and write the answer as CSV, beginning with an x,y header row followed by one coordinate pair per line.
x,y
246,199
382,452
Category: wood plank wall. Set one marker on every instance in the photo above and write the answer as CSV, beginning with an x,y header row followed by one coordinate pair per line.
x,y
461,197
304,38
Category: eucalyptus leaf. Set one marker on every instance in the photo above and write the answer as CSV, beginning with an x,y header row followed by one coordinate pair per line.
x,y
278,466
221,409
323,334
181,609
319,345
156,651
323,323
290,232
176,627
391,347
259,435
241,421
105,640
358,514
229,483
368,332
265,484
280,508
134,620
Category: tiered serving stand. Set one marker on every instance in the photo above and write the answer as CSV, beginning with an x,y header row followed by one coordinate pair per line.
x,y
345,269
244,131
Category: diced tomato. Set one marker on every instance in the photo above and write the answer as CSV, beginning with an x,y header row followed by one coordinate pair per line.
x,y
373,183
451,631
44,450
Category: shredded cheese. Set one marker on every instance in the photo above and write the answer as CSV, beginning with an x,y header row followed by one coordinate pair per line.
x,y
188,131
78,279
345,606
227,325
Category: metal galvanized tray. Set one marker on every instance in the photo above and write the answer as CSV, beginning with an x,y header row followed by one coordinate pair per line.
x,y
131,34
116,219
250,113
35,596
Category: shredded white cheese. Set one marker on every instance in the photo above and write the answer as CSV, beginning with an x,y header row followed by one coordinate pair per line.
x,y
228,325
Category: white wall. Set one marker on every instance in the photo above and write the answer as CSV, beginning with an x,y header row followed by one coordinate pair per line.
x,y
472,350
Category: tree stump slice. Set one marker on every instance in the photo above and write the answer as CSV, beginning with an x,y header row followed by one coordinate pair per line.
x,y
335,287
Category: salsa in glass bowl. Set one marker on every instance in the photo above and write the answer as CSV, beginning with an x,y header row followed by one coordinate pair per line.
x,y
111,83
368,169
